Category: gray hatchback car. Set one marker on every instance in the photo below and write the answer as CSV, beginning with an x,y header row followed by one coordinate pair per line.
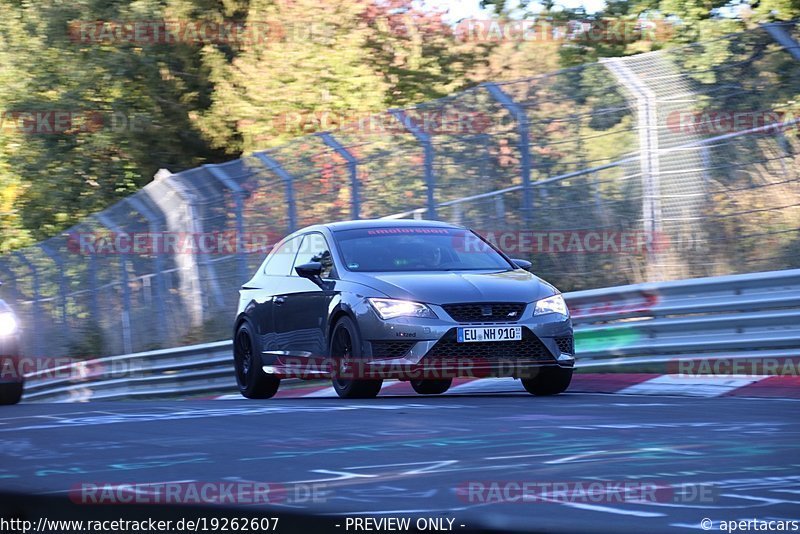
x,y
363,301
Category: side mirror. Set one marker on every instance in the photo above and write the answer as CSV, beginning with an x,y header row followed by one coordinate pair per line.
x,y
522,264
312,271
309,270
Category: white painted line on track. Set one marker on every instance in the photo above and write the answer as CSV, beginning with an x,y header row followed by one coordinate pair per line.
x,y
489,385
327,392
694,386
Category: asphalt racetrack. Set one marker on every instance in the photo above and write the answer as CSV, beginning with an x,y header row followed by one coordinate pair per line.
x,y
417,456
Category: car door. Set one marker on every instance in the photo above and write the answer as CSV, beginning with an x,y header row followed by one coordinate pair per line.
x,y
301,310
261,291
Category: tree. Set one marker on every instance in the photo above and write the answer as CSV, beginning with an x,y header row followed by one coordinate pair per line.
x,y
128,108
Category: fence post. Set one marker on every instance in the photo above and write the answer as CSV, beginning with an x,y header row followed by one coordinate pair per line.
x,y
352,165
523,131
125,319
427,145
93,304
179,217
161,290
62,281
195,225
648,154
37,309
778,32
276,168
239,194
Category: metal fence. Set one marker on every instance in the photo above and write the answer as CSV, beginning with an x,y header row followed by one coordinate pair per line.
x,y
725,321
598,150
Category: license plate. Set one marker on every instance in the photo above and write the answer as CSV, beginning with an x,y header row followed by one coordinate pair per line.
x,y
489,333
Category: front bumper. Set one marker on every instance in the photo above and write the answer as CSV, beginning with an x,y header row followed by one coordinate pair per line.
x,y
416,348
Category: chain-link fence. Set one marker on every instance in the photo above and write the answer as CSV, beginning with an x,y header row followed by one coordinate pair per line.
x,y
671,164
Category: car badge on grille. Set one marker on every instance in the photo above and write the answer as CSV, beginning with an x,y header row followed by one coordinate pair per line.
x,y
486,311
512,314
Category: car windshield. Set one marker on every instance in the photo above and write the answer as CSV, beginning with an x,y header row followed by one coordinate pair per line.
x,y
417,249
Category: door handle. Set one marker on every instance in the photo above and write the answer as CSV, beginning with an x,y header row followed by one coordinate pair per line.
x,y
280,300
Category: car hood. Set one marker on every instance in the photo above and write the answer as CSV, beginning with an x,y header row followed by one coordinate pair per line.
x,y
465,286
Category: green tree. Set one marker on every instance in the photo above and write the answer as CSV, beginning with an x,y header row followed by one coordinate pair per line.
x,y
131,106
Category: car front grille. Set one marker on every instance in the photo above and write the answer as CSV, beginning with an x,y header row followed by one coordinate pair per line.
x,y
529,348
566,344
485,312
391,349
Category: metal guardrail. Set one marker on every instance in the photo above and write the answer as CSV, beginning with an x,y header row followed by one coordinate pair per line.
x,y
740,316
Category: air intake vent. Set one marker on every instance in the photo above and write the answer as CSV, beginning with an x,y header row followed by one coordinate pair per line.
x,y
529,348
391,349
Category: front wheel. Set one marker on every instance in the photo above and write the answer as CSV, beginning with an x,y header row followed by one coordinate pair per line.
x,y
548,381
10,392
431,387
345,347
253,382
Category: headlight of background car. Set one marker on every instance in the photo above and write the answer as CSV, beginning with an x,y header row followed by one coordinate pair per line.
x,y
8,323
390,308
554,304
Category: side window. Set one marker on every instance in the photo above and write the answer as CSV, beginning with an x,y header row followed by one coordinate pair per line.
x,y
315,248
280,262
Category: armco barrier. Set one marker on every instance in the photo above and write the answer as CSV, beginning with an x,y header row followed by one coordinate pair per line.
x,y
740,316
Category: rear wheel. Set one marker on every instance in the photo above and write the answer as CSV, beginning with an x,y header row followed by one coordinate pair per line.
x,y
10,392
431,387
253,382
548,381
345,348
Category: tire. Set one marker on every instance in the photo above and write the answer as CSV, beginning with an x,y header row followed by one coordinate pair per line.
x,y
346,345
431,387
253,382
10,392
549,381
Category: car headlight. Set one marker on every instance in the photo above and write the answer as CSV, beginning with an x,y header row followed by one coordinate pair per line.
x,y
391,308
8,323
554,304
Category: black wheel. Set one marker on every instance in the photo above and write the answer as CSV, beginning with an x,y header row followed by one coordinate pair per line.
x,y
345,347
548,381
431,387
253,382
10,392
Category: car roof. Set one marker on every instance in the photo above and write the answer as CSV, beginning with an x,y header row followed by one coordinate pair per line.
x,y
380,223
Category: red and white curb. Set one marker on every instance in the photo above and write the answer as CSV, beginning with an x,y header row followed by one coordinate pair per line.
x,y
616,383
